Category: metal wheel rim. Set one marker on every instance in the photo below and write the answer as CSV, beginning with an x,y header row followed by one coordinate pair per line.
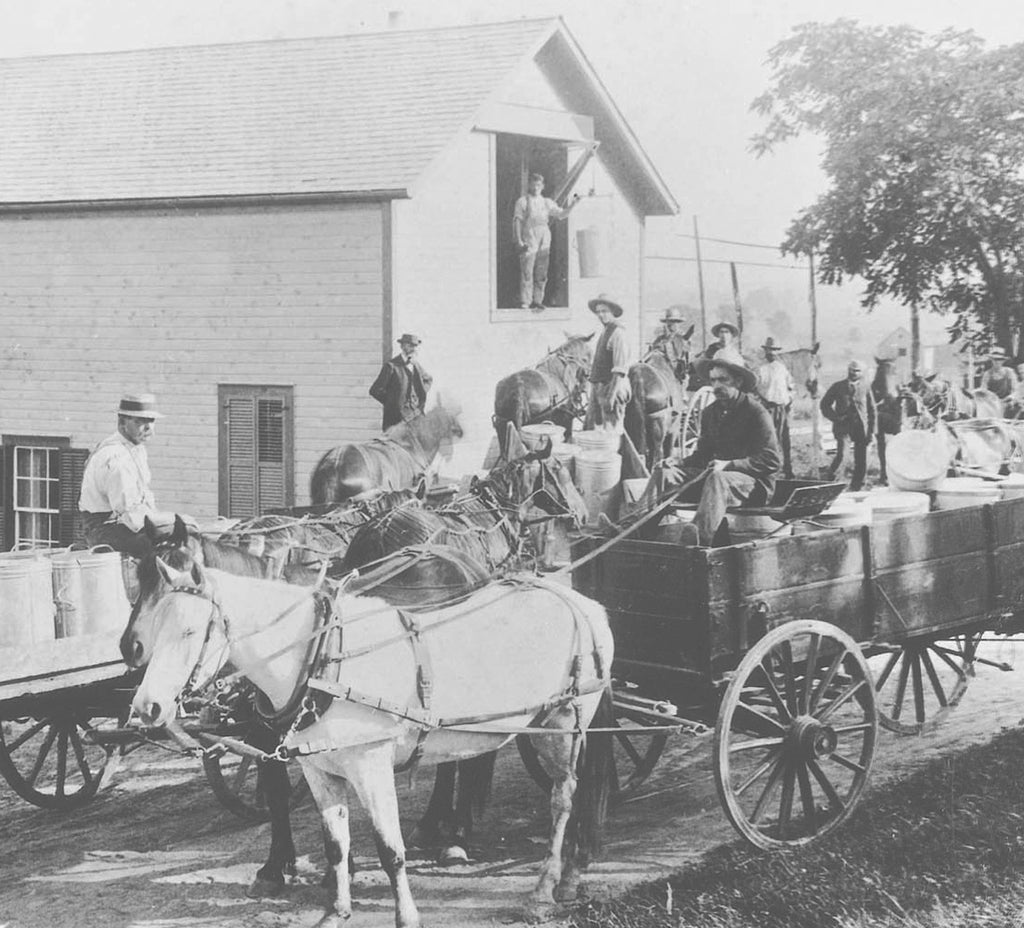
x,y
785,749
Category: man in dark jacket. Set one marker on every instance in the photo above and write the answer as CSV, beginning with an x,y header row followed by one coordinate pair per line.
x,y
401,386
737,446
850,407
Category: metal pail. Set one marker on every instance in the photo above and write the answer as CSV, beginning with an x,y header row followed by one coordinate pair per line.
x,y
104,600
26,599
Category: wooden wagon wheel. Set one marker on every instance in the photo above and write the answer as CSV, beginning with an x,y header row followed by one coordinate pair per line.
x,y
689,431
636,751
796,735
52,761
233,780
919,683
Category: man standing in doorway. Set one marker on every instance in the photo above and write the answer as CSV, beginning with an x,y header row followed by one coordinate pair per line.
x,y
775,387
850,407
402,385
609,385
532,236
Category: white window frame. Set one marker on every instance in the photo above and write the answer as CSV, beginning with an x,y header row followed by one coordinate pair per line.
x,y
51,477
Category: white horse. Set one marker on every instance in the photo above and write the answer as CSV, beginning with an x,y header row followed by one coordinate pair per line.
x,y
425,687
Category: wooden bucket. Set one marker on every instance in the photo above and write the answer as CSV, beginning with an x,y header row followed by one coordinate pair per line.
x,y
26,599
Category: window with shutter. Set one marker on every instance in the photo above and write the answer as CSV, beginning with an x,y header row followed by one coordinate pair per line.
x,y
256,452
40,478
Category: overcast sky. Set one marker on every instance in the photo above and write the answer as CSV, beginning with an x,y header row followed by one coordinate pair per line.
x,y
683,72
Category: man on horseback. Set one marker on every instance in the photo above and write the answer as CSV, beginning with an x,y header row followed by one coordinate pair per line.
x,y
609,386
776,389
532,235
116,499
737,458
674,343
850,407
402,385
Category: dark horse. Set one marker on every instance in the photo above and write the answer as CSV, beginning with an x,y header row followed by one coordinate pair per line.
x,y
553,390
656,404
394,461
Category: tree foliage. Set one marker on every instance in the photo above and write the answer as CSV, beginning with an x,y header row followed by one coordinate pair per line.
x,y
924,152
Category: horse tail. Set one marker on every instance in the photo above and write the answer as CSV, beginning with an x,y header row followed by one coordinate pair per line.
x,y
635,421
595,771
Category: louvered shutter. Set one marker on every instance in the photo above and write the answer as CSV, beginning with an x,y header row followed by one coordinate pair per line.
x,y
240,429
270,470
256,450
5,497
72,467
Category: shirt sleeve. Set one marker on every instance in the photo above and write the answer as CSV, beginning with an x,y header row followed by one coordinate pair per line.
x,y
379,388
619,351
519,213
554,210
764,458
127,498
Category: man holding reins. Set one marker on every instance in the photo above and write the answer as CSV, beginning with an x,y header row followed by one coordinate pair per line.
x,y
116,499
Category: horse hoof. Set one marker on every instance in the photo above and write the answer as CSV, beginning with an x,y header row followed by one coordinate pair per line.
x,y
536,912
452,856
333,920
265,889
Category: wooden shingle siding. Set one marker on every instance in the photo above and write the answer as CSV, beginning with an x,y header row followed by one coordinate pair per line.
x,y
177,302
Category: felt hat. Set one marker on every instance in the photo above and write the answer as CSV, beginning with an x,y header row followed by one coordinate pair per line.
x,y
139,406
748,379
673,314
715,329
606,300
771,345
408,339
997,352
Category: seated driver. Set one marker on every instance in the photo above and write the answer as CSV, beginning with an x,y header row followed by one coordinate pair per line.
x,y
737,446
115,499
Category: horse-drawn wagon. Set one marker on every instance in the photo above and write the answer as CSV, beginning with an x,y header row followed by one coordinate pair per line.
x,y
795,647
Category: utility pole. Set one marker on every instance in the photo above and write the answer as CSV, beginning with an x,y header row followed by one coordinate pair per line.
x,y
700,285
915,339
737,302
813,300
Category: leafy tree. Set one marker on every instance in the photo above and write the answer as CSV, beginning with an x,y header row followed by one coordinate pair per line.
x,y
924,151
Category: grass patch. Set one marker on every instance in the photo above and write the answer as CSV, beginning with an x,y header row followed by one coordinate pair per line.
x,y
943,848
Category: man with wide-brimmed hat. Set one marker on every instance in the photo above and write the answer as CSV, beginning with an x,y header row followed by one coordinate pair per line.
x,y
999,378
776,390
726,344
402,385
737,452
609,385
673,342
116,499
850,406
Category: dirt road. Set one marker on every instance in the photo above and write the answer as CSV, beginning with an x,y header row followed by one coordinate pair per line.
x,y
157,851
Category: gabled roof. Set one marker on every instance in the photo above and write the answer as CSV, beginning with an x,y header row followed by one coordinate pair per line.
x,y
360,115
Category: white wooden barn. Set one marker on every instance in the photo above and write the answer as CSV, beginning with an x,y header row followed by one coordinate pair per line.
x,y
244,230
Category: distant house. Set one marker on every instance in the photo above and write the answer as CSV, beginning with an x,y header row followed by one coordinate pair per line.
x,y
246,229
896,346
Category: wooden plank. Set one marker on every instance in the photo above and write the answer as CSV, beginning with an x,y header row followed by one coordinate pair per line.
x,y
929,536
54,665
1008,516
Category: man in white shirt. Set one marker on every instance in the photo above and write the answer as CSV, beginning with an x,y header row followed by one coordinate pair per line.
x,y
115,499
532,235
775,388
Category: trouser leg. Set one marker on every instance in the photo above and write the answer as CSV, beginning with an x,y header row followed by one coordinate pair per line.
x,y
120,538
860,464
881,457
721,489
526,263
784,443
837,461
540,267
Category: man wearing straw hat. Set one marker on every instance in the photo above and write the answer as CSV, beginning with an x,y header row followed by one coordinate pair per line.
x,y
999,379
116,499
609,385
737,458
775,388
402,385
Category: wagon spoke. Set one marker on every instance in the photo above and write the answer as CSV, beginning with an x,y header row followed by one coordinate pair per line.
x,y
786,659
944,653
826,681
62,760
767,719
806,791
766,794
786,803
775,696
889,664
846,762
772,761
933,677
901,686
851,729
755,744
826,784
918,688
83,762
30,732
809,668
840,700
44,752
